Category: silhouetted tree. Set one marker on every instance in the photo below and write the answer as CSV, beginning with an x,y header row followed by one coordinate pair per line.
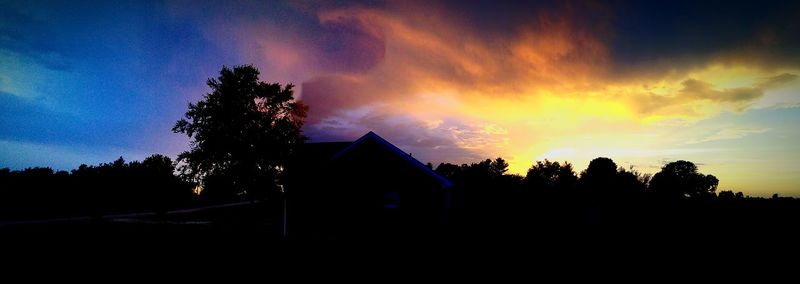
x,y
726,195
548,175
162,188
599,170
598,180
498,167
483,172
448,171
243,132
632,183
603,180
681,179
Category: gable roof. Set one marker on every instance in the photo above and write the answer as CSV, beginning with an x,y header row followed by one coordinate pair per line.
x,y
397,151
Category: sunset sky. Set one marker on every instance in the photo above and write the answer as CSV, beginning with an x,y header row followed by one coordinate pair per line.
x,y
641,82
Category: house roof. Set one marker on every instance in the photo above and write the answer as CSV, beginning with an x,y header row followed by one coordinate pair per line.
x,y
371,136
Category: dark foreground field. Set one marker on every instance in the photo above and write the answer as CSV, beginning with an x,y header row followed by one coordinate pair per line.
x,y
757,222
246,218
244,241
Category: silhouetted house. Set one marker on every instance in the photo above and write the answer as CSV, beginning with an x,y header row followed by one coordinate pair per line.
x,y
364,188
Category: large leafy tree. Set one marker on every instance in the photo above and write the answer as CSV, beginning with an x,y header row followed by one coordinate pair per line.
x,y
602,180
242,134
681,179
599,180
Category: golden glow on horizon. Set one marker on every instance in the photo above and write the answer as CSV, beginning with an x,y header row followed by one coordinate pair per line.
x,y
610,121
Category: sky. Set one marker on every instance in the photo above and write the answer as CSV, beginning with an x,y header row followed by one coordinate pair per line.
x,y
641,82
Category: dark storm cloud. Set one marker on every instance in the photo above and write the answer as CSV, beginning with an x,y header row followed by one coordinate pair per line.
x,y
350,45
329,95
677,34
685,34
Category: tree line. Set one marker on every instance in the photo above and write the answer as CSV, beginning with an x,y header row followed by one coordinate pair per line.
x,y
601,180
116,187
156,184
553,197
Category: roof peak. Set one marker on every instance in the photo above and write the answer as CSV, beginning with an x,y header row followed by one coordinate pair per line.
x,y
396,150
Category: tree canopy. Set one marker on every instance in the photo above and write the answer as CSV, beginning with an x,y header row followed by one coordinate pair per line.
x,y
242,134
681,179
551,175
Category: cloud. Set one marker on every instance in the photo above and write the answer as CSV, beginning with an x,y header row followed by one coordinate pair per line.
x,y
329,95
786,105
697,99
450,140
21,32
426,52
777,81
696,89
729,134
5,95
351,44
